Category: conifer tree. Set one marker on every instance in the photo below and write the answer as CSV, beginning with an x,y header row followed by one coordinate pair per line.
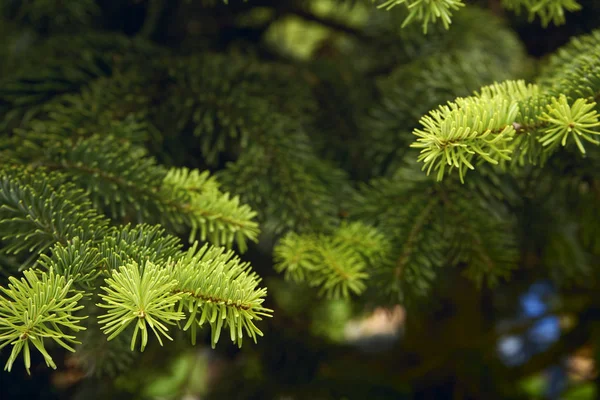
x,y
250,176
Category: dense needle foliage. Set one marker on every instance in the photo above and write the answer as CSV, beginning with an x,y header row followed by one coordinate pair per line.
x,y
190,174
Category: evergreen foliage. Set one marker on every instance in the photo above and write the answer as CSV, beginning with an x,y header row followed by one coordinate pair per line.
x,y
152,174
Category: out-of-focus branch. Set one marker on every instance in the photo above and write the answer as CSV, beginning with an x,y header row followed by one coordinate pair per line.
x,y
328,22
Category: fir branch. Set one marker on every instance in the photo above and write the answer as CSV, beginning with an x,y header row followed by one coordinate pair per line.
x,y
485,242
454,134
281,176
85,248
329,262
426,11
219,289
221,97
116,174
101,358
138,244
143,298
547,10
39,210
574,121
578,77
416,88
217,216
34,309
415,231
77,261
568,56
53,14
330,23
366,240
473,29
65,64
344,273
121,177
120,105
295,255
485,125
